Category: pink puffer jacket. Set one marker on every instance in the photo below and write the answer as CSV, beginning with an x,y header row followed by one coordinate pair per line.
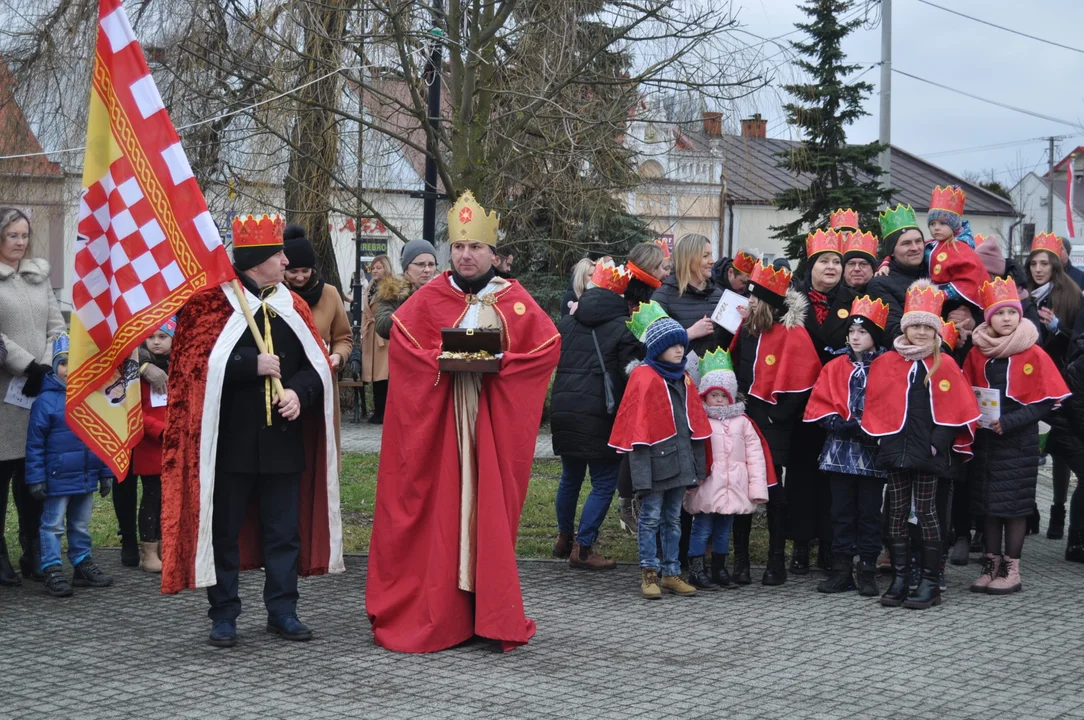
x,y
738,479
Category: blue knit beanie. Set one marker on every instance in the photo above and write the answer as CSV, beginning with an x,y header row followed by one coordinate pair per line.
x,y
664,334
951,219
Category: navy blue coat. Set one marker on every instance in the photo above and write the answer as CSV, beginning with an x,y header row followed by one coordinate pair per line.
x,y
847,449
54,455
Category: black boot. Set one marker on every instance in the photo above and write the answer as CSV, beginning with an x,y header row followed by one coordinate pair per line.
x,y
87,574
129,550
698,575
776,572
30,560
55,583
741,550
1033,522
799,559
1074,548
898,549
841,579
8,576
867,579
719,575
978,543
825,561
927,594
914,568
1056,529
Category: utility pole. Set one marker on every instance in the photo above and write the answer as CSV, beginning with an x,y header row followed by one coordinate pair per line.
x,y
1050,190
356,289
432,147
886,92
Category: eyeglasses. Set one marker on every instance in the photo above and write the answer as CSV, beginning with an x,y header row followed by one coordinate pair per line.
x,y
424,266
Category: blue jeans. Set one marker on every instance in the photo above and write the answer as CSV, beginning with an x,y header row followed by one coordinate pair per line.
x,y
78,509
603,484
714,526
661,512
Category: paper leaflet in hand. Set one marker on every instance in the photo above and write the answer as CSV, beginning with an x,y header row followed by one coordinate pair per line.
x,y
728,313
989,405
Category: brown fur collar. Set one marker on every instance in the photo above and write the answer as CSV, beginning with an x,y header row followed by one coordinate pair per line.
x,y
394,288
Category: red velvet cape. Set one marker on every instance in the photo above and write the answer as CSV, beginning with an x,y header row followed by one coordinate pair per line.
x,y
832,393
412,595
646,415
1032,376
201,322
951,399
786,362
953,262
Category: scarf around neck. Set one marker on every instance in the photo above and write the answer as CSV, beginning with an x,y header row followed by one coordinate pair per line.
x,y
668,371
725,412
1002,346
911,352
313,291
1039,294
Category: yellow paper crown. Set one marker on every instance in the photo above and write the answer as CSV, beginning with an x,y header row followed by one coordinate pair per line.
x,y
469,221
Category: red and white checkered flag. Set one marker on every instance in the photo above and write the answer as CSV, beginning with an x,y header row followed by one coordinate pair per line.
x,y
146,240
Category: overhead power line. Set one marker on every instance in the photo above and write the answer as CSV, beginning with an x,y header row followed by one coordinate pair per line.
x,y
994,146
1002,27
1050,118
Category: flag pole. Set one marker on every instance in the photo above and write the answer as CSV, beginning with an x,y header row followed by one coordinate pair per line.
x,y
276,383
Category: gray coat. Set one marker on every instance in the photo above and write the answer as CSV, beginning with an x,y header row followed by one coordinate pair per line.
x,y
674,463
29,319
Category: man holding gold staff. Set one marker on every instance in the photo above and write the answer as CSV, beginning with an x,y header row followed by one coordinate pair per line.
x,y
457,451
249,466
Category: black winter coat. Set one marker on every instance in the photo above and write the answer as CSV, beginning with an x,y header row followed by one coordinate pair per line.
x,y
1057,344
909,449
892,289
690,307
1066,437
832,334
578,418
1006,466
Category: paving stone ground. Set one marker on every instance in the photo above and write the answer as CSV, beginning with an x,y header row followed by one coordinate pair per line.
x,y
600,652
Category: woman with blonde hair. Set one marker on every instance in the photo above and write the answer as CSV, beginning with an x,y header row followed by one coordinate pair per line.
x,y
374,349
581,275
690,295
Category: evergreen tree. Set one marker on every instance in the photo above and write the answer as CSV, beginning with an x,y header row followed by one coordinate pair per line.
x,y
839,175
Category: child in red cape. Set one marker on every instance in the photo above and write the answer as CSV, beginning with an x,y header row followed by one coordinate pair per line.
x,y
662,426
1006,358
777,366
923,411
849,455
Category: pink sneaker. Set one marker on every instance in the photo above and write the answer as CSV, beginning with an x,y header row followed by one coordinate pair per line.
x,y
990,568
1008,578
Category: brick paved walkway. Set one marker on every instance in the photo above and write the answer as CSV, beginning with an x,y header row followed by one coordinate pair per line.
x,y
601,652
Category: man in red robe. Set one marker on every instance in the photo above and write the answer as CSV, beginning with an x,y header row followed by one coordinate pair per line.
x,y
249,475
456,456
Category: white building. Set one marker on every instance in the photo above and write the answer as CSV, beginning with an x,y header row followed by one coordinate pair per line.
x,y
1032,197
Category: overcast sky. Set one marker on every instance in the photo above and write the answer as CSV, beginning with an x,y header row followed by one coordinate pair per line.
x,y
955,51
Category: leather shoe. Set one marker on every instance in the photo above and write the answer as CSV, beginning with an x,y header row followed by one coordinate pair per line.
x,y
289,627
223,633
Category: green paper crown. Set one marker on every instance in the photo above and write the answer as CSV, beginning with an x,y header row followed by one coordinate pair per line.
x,y
641,320
718,359
902,218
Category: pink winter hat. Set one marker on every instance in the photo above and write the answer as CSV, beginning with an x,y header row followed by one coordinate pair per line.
x,y
990,253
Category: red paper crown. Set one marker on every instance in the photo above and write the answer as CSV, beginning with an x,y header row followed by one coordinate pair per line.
x,y
999,291
949,334
844,219
823,241
1049,242
774,280
744,262
860,242
950,199
611,277
876,311
924,298
665,247
979,240
250,231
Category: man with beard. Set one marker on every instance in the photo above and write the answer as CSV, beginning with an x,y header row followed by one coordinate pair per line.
x,y
734,274
905,248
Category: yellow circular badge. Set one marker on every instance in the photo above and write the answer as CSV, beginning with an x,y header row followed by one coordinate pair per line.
x,y
770,360
1029,369
520,308
942,257
936,269
945,385
842,313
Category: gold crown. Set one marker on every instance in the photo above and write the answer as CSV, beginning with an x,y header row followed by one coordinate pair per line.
x,y
469,221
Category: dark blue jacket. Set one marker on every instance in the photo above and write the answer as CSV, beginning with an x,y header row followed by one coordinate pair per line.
x,y
848,449
54,455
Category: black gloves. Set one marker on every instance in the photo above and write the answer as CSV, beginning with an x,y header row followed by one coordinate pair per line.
x,y
38,491
35,372
106,484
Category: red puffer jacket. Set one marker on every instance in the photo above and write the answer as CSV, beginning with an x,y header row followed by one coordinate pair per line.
x,y
147,456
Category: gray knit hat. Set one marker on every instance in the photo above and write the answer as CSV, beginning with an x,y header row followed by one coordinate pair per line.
x,y
413,249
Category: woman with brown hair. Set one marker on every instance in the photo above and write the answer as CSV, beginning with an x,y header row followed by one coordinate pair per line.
x,y
29,317
374,349
1057,299
649,266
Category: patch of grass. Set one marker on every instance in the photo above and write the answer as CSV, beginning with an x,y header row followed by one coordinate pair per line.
x,y
357,489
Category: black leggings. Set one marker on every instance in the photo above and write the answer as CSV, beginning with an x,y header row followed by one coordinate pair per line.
x,y
13,473
1014,531
150,507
